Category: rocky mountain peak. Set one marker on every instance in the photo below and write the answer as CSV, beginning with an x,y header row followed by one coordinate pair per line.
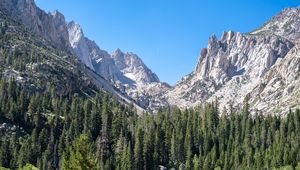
x,y
133,67
234,52
227,36
117,52
58,17
79,43
75,33
212,39
230,68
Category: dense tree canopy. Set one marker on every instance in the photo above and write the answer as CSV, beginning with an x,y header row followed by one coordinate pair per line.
x,y
78,132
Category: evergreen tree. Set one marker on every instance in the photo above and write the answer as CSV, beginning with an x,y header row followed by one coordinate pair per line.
x,y
81,156
138,150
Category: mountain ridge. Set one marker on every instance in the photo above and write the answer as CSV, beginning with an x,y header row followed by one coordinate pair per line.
x,y
70,36
237,66
229,69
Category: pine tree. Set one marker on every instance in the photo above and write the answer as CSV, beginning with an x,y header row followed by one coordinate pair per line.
x,y
196,163
80,156
173,151
127,162
138,150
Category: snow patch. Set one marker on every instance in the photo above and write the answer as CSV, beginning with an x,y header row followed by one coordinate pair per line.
x,y
99,60
130,75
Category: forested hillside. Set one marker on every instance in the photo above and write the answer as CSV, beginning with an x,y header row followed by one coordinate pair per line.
x,y
75,132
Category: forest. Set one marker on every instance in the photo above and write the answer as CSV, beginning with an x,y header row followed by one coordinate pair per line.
x,y
50,131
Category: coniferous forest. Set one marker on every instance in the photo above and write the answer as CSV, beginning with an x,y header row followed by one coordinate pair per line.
x,y
49,131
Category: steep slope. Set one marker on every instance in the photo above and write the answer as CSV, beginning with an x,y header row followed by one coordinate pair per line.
x,y
286,24
92,56
78,43
32,61
38,66
134,68
254,67
126,71
279,90
105,65
52,26
147,90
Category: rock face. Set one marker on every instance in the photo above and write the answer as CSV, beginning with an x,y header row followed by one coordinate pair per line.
x,y
51,26
146,88
125,68
126,71
79,44
262,66
104,64
286,24
92,56
237,54
134,68
279,89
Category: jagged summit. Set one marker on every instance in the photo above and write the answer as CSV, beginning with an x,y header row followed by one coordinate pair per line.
x,y
239,65
75,31
117,52
133,67
79,44
57,14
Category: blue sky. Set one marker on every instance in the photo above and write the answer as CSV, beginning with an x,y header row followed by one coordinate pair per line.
x,y
167,34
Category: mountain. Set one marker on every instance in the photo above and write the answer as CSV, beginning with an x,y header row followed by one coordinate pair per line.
x,y
146,89
125,68
91,55
69,36
79,43
126,71
134,68
286,24
261,67
43,64
52,26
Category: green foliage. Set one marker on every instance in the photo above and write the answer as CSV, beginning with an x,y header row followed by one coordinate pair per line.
x,y
285,168
297,167
48,134
2,168
29,167
80,156
26,167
